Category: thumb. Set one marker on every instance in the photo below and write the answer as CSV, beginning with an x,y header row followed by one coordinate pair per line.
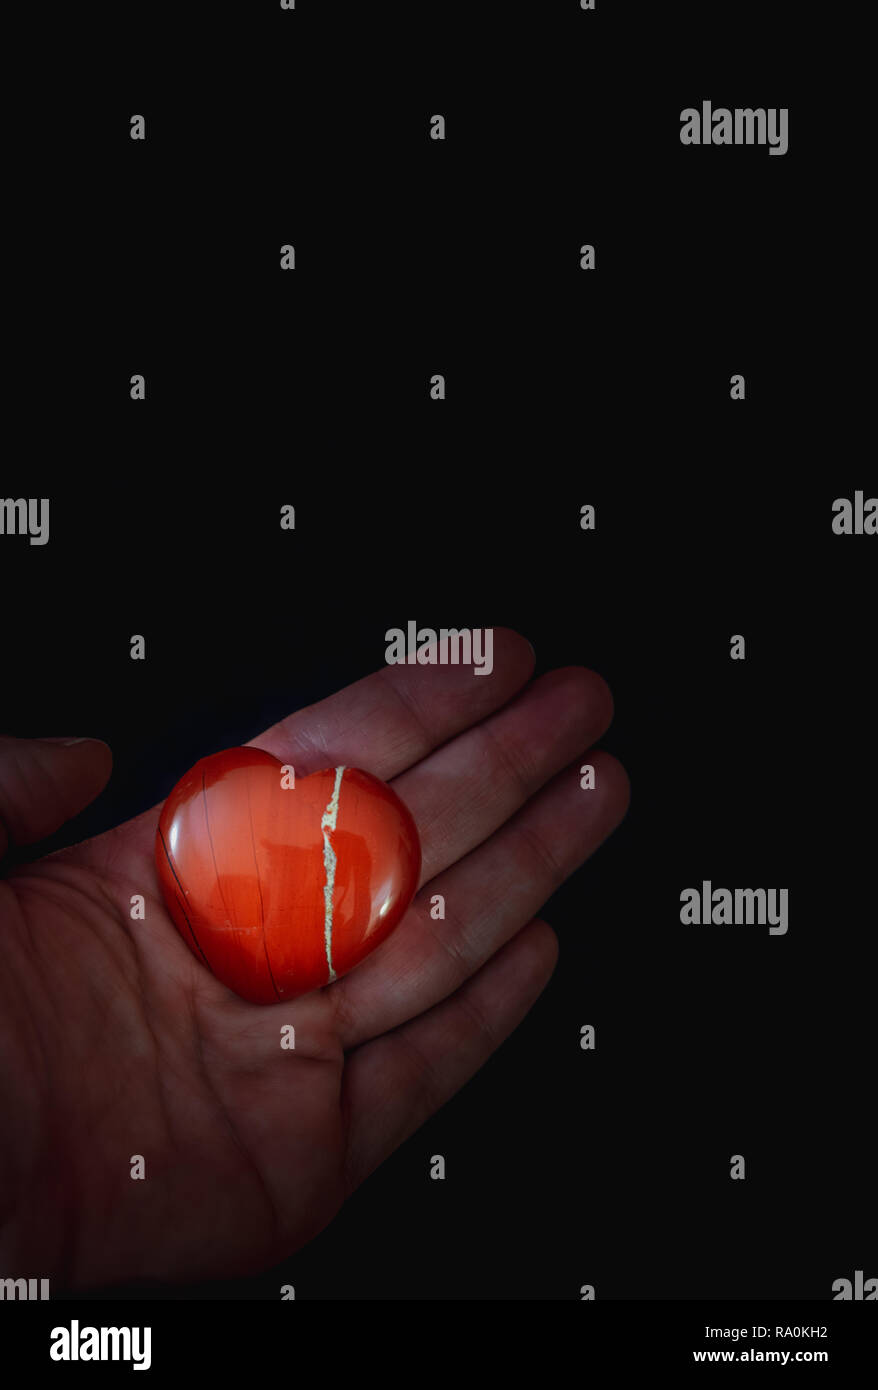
x,y
46,781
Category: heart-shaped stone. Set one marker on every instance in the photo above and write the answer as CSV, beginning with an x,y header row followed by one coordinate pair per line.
x,y
278,884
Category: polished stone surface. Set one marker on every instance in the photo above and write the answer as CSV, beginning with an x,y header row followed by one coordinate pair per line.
x,y
281,890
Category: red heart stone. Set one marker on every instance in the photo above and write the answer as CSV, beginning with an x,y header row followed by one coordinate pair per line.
x,y
281,890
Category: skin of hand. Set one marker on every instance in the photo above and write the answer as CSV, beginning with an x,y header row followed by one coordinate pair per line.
x,y
115,1040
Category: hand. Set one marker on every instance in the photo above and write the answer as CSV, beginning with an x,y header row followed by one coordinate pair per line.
x,y
115,1040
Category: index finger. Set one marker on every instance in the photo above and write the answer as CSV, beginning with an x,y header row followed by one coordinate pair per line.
x,y
393,718
383,723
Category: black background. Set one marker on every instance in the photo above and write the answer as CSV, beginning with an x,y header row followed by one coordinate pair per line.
x,y
564,388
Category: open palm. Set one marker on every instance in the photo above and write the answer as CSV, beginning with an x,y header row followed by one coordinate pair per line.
x,y
116,1041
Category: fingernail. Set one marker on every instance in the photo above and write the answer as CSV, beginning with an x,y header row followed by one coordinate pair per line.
x,y
68,742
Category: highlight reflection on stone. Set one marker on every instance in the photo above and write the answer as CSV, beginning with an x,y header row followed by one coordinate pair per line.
x,y
280,890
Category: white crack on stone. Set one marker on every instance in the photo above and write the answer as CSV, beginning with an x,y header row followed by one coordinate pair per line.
x,y
327,823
